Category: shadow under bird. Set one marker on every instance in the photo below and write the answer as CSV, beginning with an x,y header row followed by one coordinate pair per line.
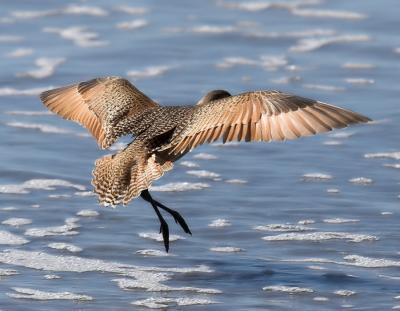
x,y
111,107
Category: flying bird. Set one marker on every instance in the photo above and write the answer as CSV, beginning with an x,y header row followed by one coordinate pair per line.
x,y
111,107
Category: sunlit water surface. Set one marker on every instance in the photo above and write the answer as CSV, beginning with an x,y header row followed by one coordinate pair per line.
x,y
310,224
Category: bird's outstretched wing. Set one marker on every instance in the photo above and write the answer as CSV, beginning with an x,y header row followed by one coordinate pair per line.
x,y
99,105
259,116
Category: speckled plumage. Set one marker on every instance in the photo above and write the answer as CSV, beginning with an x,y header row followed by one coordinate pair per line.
x,y
112,107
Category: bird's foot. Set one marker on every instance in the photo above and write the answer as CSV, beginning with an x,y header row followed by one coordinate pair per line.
x,y
177,217
165,234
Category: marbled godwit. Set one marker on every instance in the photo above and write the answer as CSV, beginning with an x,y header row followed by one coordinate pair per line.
x,y
111,107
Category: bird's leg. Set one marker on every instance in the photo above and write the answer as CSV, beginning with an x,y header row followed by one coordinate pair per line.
x,y
177,217
163,224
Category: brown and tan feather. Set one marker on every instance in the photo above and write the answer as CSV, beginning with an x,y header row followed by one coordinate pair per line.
x,y
259,116
99,105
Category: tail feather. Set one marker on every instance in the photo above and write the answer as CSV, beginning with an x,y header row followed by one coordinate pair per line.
x,y
122,177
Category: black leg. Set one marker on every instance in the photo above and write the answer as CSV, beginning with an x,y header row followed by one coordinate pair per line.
x,y
177,217
163,224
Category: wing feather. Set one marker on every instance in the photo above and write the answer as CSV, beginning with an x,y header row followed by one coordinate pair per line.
x,y
260,115
98,105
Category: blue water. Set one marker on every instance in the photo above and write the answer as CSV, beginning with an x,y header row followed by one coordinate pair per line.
x,y
191,45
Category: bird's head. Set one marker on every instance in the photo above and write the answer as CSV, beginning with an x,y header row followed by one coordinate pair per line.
x,y
213,95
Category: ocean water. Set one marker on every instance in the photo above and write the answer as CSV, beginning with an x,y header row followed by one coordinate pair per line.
x,y
311,224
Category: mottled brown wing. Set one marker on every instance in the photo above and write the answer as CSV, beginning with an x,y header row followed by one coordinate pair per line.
x,y
259,116
99,105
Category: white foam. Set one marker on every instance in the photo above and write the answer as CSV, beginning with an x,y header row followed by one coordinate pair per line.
x,y
268,62
357,66
42,184
312,44
133,25
88,213
229,62
148,72
46,68
51,277
286,80
10,91
313,267
204,156
226,249
396,50
155,236
288,289
8,272
333,190
333,143
66,229
153,253
321,236
387,155
219,223
282,228
392,165
80,36
397,307
324,87
8,238
10,39
328,14
361,181
227,144
8,208
65,246
273,62
316,177
59,196
16,222
320,298
315,32
359,81
20,52
179,186
213,29
33,14
189,164
161,302
147,278
28,293
386,213
256,6
29,113
306,222
369,262
85,193
339,220
132,10
154,285
344,292
341,134
236,181
203,174
354,260
85,10
45,128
